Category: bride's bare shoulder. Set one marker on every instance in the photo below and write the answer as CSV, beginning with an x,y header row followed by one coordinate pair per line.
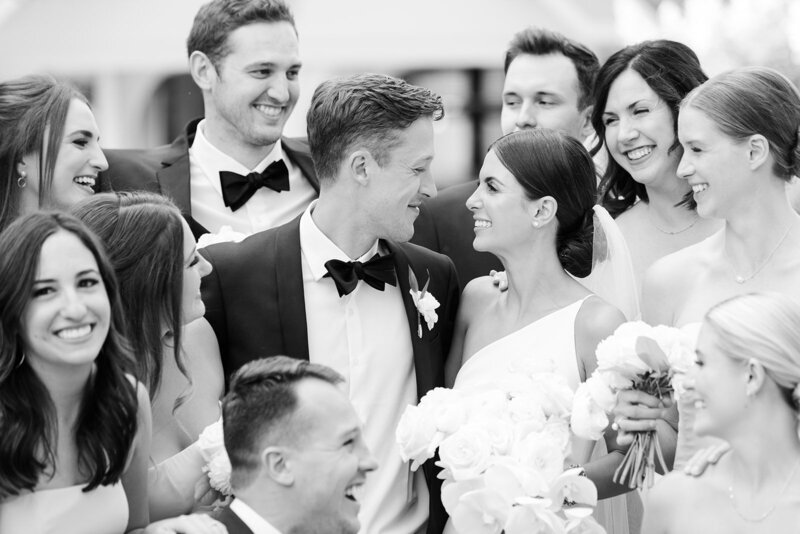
x,y
478,295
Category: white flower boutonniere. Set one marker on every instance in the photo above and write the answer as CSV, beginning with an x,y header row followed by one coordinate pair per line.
x,y
425,302
226,234
218,465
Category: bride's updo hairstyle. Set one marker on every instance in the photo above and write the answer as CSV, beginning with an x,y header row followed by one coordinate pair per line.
x,y
764,327
755,100
549,163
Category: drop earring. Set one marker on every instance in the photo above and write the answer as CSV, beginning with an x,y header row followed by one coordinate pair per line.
x,y
22,181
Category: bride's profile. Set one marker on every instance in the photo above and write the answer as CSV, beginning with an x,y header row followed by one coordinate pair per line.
x,y
533,209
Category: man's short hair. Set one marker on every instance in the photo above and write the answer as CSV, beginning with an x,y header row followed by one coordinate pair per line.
x,y
541,42
368,109
261,399
216,20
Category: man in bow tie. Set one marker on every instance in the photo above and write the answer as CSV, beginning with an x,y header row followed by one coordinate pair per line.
x,y
340,286
233,167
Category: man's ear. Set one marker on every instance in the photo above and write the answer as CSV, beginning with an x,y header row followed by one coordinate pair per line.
x,y
757,151
202,70
586,122
276,465
360,165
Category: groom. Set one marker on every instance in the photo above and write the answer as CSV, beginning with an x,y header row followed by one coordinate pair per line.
x,y
338,285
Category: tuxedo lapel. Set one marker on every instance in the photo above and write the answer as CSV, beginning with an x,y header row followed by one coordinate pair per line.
x,y
298,152
290,294
422,361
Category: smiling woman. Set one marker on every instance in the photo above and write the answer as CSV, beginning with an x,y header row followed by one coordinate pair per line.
x,y
73,431
638,92
49,151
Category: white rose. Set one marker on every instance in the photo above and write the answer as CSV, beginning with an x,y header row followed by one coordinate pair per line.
x,y
602,391
677,345
211,440
467,452
588,420
226,234
526,408
617,353
219,472
554,393
417,436
500,431
541,452
426,306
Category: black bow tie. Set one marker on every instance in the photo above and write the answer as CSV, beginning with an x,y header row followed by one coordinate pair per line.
x,y
237,189
377,272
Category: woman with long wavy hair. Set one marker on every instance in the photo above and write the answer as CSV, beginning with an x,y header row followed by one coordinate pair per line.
x,y
74,425
177,357
49,151
637,95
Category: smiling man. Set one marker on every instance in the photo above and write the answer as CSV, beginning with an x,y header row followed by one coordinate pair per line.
x,y
296,449
549,81
233,167
337,285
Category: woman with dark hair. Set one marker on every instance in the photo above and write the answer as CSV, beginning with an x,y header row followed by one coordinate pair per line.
x,y
159,271
637,94
49,152
533,209
739,132
746,384
74,426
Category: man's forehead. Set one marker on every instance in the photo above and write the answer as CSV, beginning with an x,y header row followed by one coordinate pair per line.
x,y
554,71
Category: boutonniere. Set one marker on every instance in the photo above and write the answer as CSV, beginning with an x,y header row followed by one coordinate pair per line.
x,y
425,302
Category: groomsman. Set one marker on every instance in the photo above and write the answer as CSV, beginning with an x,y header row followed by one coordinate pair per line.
x,y
297,466
232,167
549,81
340,286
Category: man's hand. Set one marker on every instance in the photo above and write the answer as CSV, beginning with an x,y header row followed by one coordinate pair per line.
x,y
637,411
499,279
698,463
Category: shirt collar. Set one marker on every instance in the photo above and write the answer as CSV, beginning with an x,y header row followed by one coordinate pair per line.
x,y
250,517
319,249
214,160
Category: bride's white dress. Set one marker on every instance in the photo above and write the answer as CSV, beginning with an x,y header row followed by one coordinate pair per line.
x,y
549,344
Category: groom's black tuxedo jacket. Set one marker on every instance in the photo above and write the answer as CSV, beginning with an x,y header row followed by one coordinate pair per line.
x,y
254,301
165,170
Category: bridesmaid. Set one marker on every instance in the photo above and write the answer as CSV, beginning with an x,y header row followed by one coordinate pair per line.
x,y
49,151
74,424
159,270
637,94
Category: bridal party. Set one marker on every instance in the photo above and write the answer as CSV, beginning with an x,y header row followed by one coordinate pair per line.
x,y
251,332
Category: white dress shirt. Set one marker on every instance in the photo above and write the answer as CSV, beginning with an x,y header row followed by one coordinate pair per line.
x,y
265,209
365,336
249,517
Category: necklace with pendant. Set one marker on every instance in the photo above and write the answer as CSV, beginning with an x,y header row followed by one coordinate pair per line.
x,y
671,232
771,509
742,279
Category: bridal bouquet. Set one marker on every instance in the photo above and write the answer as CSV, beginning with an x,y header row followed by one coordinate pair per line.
x,y
502,450
641,357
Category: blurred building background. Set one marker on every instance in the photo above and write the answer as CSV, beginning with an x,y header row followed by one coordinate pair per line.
x,y
129,56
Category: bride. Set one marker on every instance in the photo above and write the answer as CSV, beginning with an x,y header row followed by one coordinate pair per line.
x,y
533,209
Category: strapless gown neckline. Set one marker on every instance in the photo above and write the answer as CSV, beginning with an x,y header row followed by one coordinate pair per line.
x,y
67,510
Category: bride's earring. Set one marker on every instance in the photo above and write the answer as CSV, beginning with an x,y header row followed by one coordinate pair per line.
x,y
535,224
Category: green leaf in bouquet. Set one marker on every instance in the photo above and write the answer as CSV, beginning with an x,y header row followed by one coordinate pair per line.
x,y
650,353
